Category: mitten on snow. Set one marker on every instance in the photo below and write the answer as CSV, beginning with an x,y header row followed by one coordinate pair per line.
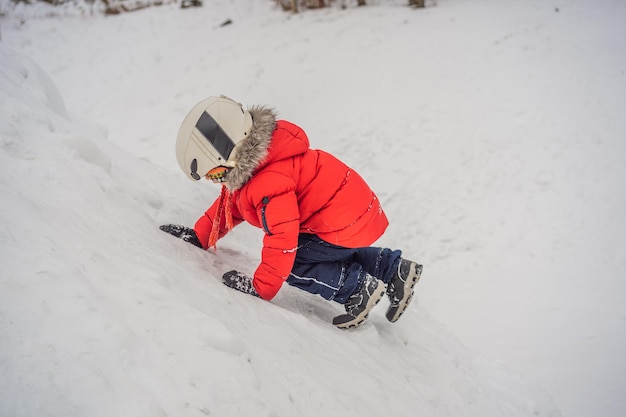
x,y
240,282
182,232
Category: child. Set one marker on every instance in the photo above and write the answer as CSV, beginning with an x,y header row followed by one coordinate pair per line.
x,y
319,216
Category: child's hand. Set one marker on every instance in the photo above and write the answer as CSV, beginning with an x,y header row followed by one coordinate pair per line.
x,y
240,282
182,232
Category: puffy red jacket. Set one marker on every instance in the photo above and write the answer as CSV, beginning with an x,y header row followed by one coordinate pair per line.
x,y
282,186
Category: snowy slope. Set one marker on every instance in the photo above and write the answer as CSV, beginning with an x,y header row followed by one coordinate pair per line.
x,y
503,119
96,322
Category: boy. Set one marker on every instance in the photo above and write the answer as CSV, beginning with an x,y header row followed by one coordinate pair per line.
x,y
319,216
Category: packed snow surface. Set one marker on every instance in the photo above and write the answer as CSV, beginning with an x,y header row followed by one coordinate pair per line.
x,y
493,132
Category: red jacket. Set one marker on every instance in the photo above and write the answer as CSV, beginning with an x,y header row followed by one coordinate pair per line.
x,y
293,190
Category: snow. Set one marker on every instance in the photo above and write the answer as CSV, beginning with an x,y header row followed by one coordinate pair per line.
x,y
491,130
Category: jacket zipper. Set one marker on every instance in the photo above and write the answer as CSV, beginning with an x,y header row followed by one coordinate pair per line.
x,y
265,201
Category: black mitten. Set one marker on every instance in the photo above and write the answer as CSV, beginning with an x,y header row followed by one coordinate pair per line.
x,y
182,232
240,282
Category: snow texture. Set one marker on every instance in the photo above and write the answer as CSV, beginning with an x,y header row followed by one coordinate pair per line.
x,y
492,131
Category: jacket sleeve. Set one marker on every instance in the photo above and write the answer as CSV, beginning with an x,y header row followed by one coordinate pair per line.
x,y
279,217
204,224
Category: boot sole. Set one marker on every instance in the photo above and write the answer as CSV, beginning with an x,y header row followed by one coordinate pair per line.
x,y
348,321
395,311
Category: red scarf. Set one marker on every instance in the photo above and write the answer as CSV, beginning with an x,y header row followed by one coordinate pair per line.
x,y
223,204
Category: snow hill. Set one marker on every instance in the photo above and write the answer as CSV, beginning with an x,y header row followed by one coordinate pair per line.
x,y
491,130
105,315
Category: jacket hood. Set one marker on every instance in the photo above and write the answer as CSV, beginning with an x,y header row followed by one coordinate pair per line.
x,y
253,150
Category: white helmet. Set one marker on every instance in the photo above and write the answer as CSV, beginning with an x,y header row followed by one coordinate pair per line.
x,y
209,134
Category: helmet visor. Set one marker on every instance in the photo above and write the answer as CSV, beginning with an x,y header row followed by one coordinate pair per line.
x,y
215,135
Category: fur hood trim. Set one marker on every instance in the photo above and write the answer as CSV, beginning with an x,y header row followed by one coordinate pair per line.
x,y
252,151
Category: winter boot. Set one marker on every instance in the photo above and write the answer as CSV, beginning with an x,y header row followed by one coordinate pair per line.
x,y
400,289
360,303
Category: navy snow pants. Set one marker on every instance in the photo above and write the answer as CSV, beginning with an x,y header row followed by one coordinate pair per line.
x,y
335,272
